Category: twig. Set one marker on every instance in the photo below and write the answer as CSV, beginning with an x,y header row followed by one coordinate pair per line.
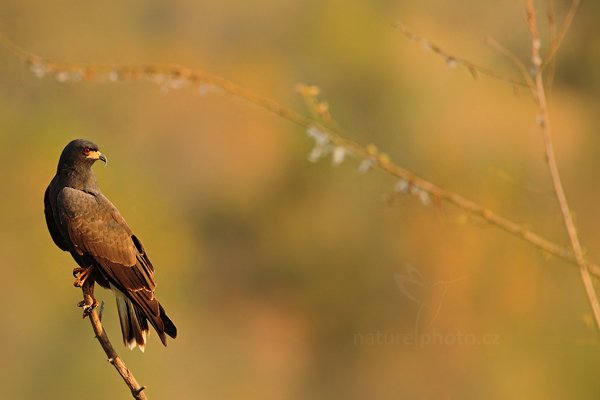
x,y
555,44
136,390
452,60
515,60
553,28
544,122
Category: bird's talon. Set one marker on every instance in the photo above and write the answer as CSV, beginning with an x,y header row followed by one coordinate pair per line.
x,y
77,271
81,275
87,307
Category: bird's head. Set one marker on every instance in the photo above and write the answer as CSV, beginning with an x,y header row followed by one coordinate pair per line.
x,y
80,153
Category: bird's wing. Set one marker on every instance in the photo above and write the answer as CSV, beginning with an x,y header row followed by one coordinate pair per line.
x,y
51,222
97,228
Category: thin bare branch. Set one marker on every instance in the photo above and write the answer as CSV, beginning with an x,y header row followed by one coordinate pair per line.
x,y
515,60
13,47
553,27
505,176
555,44
453,60
544,122
137,391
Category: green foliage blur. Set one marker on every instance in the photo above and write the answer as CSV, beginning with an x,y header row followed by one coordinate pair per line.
x,y
296,280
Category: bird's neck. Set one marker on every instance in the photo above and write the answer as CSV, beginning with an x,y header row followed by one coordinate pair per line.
x,y
77,178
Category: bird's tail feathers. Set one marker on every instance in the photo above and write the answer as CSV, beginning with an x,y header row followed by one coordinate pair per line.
x,y
170,328
134,324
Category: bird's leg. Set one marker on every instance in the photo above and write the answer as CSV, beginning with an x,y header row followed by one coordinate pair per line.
x,y
81,275
89,302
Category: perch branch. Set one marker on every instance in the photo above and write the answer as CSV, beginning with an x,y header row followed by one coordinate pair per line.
x,y
544,123
136,390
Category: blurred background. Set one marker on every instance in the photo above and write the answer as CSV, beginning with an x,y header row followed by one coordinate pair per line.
x,y
296,280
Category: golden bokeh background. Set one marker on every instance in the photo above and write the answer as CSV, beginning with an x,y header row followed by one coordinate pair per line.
x,y
284,277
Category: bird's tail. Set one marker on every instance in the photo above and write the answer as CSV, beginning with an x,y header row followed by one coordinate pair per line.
x,y
169,326
134,324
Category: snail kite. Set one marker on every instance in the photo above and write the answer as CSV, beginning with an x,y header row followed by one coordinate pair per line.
x,y
82,221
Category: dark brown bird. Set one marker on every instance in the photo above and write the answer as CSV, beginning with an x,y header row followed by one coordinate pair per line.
x,y
82,221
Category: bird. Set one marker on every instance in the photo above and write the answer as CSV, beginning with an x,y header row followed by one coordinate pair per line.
x,y
83,222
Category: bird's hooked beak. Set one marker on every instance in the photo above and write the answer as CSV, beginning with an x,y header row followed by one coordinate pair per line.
x,y
96,155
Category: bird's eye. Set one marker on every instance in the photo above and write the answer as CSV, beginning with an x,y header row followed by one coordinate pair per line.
x,y
86,150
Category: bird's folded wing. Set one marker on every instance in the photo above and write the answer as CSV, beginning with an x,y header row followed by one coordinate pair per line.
x,y
95,227
51,223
